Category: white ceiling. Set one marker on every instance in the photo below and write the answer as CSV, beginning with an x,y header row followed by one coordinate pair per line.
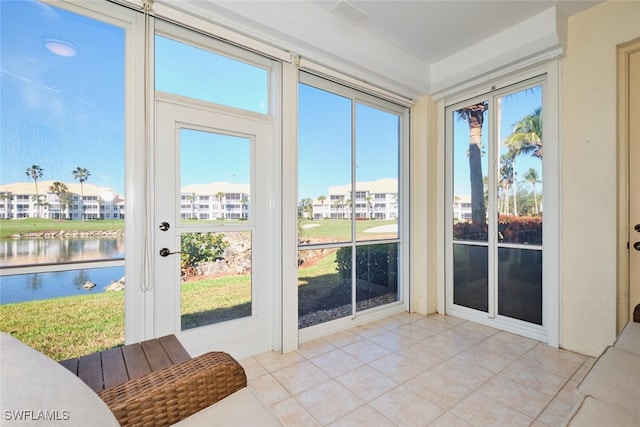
x,y
397,44
434,30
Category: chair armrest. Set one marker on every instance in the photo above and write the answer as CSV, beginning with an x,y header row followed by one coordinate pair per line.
x,y
167,396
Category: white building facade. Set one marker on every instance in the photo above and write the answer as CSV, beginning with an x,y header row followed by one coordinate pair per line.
x,y
19,200
373,200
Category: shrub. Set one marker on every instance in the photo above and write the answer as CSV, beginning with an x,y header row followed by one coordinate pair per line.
x,y
197,248
511,229
374,263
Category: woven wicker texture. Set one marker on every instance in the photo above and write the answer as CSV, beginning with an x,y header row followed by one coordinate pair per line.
x,y
167,396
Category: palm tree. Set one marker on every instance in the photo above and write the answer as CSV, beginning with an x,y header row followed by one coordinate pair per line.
x,y
82,175
474,115
322,199
220,195
59,188
244,201
191,198
66,199
525,138
527,135
307,207
36,172
368,200
532,177
336,205
505,181
348,205
4,197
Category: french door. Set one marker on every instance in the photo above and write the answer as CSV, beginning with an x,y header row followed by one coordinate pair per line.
x,y
495,204
213,241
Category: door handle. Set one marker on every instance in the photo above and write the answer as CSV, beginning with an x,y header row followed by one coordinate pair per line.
x,y
164,226
164,252
636,246
637,227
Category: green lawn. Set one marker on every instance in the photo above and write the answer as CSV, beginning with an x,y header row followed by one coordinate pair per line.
x,y
30,225
340,229
73,326
326,228
67,327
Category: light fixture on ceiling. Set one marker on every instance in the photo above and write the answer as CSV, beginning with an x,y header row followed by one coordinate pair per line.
x,y
349,11
60,47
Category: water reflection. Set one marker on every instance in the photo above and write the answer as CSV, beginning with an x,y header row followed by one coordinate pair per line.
x,y
45,251
39,286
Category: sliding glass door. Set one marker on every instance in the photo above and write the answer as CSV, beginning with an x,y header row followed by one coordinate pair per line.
x,y
495,207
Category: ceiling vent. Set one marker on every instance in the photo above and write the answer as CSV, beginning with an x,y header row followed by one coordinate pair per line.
x,y
349,11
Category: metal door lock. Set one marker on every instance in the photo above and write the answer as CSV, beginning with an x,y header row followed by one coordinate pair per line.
x,y
166,252
164,226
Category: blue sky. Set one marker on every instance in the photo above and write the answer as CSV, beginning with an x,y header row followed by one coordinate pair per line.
x,y
514,108
63,112
60,112
324,140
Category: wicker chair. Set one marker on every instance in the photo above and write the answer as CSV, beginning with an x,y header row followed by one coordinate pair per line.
x,y
167,396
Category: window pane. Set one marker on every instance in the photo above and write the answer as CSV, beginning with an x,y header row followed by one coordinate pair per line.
x,y
520,284
215,176
324,285
471,276
376,275
215,78
62,160
470,173
377,162
216,277
324,166
519,193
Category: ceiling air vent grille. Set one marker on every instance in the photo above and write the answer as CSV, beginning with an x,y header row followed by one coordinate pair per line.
x,y
349,11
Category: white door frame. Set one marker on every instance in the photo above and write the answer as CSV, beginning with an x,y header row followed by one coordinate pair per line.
x,y
240,337
552,233
629,208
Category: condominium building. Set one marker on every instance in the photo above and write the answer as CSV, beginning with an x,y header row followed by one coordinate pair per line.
x,y
217,200
19,200
373,200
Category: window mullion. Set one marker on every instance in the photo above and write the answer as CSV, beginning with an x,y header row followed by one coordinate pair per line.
x,y
352,210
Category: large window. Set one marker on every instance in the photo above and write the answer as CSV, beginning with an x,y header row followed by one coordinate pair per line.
x,y
349,199
62,181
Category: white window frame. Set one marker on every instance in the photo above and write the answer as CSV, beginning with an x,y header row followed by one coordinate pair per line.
x,y
552,235
402,305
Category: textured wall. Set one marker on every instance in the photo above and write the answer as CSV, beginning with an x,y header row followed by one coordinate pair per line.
x,y
589,172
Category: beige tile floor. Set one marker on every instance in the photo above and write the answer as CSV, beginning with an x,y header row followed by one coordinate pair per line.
x,y
412,370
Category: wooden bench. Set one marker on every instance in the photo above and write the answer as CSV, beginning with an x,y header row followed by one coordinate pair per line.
x,y
115,366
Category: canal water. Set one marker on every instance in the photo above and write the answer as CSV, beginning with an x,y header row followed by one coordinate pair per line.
x,y
39,286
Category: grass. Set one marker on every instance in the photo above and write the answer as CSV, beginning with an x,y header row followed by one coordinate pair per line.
x,y
325,229
67,327
318,284
31,225
73,326
209,301
340,229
